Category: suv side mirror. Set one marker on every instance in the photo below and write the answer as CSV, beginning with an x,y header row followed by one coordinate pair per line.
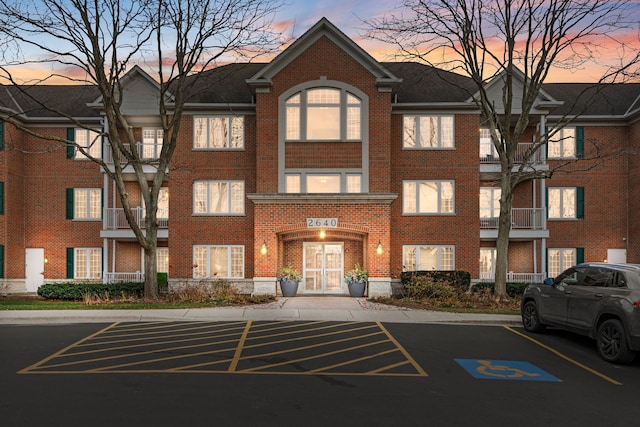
x,y
548,281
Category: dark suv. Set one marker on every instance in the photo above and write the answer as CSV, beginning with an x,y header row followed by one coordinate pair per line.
x,y
599,300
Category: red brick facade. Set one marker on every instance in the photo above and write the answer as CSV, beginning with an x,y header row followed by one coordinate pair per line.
x,y
36,175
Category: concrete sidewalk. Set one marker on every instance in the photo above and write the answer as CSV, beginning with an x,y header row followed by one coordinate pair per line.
x,y
296,308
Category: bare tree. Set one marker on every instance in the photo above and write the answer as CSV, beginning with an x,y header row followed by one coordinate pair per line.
x,y
518,42
101,40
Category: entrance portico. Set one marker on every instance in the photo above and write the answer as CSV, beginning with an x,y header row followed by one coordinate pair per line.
x,y
322,236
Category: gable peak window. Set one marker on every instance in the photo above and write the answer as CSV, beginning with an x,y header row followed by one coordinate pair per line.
x,y
323,114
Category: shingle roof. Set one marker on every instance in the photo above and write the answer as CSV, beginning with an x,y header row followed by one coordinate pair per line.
x,y
420,84
68,99
595,99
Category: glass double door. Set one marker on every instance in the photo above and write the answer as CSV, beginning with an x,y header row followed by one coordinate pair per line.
x,y
323,268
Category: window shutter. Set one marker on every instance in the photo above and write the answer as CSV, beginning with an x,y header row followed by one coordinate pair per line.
x,y
70,269
580,142
71,149
69,203
1,198
579,255
580,202
1,135
546,201
1,261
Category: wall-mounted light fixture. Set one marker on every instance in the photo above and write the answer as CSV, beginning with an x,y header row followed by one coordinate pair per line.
x,y
263,248
379,249
323,234
46,260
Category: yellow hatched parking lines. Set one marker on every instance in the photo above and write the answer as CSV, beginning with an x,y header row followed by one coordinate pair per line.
x,y
279,347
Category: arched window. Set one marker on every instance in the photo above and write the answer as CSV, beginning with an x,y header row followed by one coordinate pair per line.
x,y
323,114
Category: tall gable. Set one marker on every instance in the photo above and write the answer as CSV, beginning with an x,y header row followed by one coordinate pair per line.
x,y
385,80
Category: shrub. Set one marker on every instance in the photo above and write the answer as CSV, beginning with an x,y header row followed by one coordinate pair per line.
x,y
81,291
421,287
513,289
458,278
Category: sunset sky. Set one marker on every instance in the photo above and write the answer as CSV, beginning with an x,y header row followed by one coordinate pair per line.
x,y
348,15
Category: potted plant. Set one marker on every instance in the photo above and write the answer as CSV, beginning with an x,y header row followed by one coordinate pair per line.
x,y
289,278
356,281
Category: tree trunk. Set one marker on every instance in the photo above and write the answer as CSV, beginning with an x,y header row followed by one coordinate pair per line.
x,y
150,272
502,243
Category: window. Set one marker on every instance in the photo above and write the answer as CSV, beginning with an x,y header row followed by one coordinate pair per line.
x,y
84,203
428,197
428,132
89,140
432,257
162,260
567,143
84,263
225,262
488,263
487,149
152,143
218,197
565,202
560,259
490,202
323,114
312,183
218,133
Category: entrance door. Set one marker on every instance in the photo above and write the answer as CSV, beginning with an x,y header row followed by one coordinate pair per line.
x,y
34,268
323,268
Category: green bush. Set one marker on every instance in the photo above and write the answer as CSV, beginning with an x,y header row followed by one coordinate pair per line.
x,y
513,289
421,287
458,278
78,291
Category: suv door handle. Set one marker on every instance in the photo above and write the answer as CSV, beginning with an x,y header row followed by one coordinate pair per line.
x,y
599,295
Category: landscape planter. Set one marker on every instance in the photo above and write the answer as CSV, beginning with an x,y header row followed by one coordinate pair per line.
x,y
289,288
356,289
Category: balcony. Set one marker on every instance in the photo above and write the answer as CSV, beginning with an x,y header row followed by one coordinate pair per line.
x,y
116,220
148,152
488,154
526,224
109,277
515,277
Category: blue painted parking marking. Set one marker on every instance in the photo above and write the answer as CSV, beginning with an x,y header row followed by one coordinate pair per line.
x,y
505,370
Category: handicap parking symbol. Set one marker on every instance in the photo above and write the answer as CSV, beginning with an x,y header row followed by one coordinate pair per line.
x,y
505,370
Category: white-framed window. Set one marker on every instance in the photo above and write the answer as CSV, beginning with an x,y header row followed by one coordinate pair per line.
x,y
323,114
218,133
90,141
219,261
87,203
487,149
428,257
162,259
490,202
87,263
559,259
218,197
427,131
428,197
317,183
565,202
488,263
152,143
562,145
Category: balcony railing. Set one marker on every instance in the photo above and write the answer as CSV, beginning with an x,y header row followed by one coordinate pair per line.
x,y
515,277
116,220
149,152
110,277
521,218
488,154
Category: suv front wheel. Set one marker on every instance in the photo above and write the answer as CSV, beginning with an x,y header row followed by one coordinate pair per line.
x,y
612,342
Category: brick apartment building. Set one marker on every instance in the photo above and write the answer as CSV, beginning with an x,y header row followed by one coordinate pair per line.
x,y
321,159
